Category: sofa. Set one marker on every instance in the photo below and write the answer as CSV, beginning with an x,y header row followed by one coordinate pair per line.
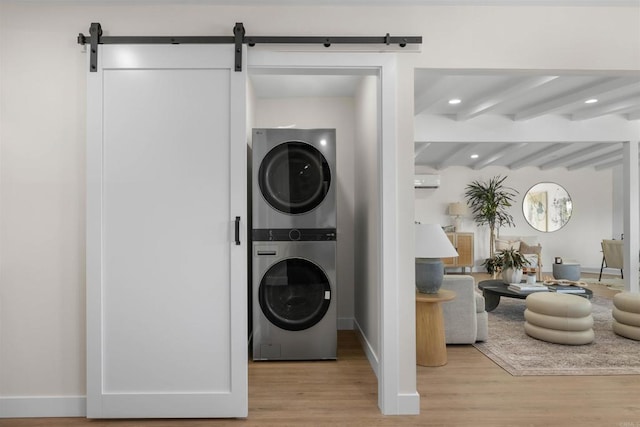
x,y
465,319
527,246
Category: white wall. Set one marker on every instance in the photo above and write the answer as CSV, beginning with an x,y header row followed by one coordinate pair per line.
x,y
42,184
42,133
367,218
579,239
336,113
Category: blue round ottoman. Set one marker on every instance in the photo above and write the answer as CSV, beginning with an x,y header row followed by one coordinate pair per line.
x,y
566,271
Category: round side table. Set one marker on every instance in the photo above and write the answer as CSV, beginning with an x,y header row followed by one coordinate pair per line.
x,y
431,347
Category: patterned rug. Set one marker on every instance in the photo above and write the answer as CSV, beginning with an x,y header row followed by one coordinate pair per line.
x,y
612,283
517,353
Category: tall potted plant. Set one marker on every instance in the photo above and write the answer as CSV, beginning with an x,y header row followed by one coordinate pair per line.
x,y
489,202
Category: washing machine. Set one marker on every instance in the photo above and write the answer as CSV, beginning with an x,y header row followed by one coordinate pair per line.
x,y
294,298
293,183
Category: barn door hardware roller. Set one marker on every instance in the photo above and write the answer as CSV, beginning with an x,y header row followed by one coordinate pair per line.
x,y
239,38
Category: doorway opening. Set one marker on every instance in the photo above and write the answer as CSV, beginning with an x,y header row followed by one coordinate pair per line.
x,y
298,90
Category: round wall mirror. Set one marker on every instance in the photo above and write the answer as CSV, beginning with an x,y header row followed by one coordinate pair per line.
x,y
547,206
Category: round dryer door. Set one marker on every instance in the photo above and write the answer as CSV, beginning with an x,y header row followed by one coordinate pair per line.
x,y
294,177
294,294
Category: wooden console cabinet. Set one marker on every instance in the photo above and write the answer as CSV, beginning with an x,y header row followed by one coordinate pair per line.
x,y
463,242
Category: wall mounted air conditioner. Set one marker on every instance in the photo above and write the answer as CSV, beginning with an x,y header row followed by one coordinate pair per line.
x,y
426,181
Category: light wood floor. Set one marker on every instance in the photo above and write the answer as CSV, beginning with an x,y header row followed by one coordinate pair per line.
x,y
469,391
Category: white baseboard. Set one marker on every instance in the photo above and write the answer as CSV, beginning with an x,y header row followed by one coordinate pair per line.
x,y
368,349
409,404
45,406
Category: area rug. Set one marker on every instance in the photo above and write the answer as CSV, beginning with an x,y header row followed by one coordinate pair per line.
x,y
517,353
612,283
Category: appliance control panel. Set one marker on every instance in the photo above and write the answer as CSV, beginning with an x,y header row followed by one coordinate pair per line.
x,y
293,234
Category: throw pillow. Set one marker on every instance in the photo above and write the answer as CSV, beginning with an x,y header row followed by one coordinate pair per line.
x,y
530,249
507,244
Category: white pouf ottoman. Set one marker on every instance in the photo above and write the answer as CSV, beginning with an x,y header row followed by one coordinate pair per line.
x,y
559,318
626,315
567,271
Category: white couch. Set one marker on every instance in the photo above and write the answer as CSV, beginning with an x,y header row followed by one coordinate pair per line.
x,y
465,319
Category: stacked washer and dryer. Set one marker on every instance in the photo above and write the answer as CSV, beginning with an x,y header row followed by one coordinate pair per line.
x,y
294,244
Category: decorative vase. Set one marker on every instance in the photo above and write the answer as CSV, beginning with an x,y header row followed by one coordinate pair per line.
x,y
512,275
429,275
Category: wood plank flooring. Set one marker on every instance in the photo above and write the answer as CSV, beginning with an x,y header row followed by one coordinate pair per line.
x,y
469,391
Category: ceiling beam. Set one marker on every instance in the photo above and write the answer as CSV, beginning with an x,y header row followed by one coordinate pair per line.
x,y
602,166
590,91
574,155
530,159
419,150
634,115
613,163
620,107
493,157
617,152
448,157
489,102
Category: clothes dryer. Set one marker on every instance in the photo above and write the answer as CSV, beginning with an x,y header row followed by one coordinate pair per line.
x,y
294,183
294,304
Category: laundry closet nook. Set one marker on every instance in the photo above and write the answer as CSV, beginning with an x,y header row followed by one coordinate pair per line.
x,y
334,117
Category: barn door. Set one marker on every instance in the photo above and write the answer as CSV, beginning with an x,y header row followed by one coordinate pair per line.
x,y
166,269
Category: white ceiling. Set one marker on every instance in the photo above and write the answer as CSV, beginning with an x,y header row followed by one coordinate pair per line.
x,y
537,120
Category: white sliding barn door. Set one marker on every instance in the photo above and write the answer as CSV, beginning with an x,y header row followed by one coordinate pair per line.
x,y
166,281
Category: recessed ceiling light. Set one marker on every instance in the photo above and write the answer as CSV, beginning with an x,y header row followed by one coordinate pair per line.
x,y
455,101
474,156
591,101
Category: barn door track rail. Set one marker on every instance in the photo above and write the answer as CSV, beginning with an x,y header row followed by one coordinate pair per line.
x,y
239,38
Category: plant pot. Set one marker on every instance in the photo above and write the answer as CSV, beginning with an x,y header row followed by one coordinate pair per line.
x,y
512,275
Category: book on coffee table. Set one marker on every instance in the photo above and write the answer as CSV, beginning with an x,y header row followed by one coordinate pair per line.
x,y
566,289
527,288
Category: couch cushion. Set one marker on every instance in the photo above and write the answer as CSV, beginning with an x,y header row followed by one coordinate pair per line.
x,y
530,249
479,303
507,244
529,240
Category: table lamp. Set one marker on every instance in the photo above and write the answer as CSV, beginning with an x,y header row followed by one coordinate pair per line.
x,y
432,244
457,210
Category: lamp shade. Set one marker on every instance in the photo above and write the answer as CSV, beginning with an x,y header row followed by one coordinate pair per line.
x,y
432,242
457,209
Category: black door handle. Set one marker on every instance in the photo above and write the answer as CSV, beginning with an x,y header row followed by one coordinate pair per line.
x,y
237,230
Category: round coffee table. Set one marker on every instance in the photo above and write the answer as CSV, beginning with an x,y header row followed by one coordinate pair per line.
x,y
492,290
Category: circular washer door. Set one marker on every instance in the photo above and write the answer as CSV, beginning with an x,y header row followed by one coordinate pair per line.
x,y
294,177
294,294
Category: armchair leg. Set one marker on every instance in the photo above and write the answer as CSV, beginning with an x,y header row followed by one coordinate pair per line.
x,y
601,267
